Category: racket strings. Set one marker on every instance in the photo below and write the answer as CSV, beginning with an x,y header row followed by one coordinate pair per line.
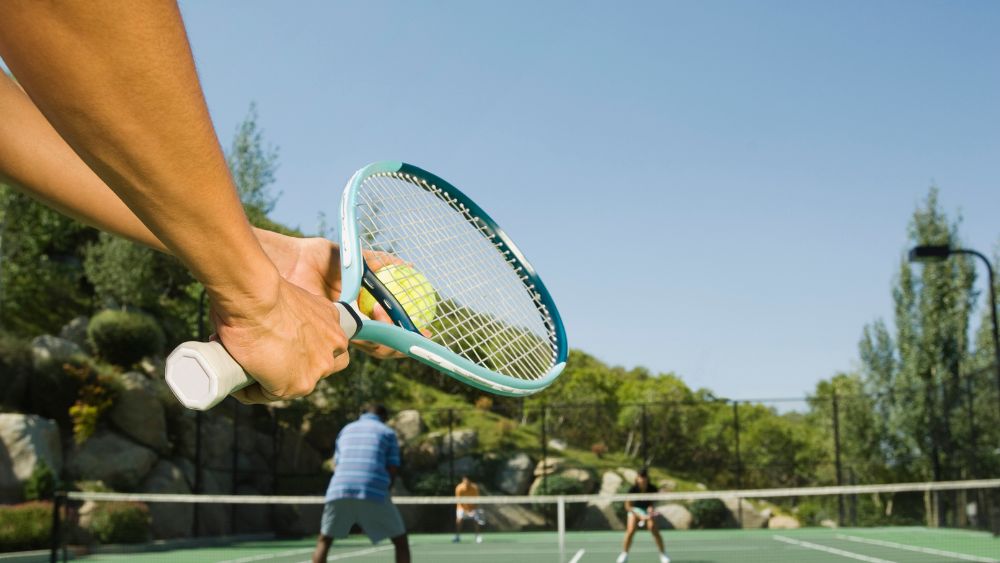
x,y
487,310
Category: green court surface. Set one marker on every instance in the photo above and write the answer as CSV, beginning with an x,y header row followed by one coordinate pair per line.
x,y
878,545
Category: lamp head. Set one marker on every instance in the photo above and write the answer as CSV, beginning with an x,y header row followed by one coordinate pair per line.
x,y
930,253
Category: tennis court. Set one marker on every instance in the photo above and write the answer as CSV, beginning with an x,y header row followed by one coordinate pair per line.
x,y
875,545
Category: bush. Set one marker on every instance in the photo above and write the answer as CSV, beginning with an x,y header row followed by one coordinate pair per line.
x,y
431,484
709,513
41,484
124,337
120,522
15,365
25,526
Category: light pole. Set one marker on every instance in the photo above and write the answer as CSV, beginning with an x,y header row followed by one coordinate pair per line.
x,y
940,253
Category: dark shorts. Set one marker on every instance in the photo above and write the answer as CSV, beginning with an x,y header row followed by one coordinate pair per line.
x,y
379,520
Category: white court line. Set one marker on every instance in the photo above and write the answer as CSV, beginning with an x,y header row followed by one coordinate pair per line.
x,y
358,553
267,556
832,550
927,550
579,555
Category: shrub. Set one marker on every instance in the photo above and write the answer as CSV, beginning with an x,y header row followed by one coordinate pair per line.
x,y
120,522
484,403
15,365
124,337
41,484
25,526
96,394
432,484
709,513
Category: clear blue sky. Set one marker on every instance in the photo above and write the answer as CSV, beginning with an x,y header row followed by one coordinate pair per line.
x,y
718,189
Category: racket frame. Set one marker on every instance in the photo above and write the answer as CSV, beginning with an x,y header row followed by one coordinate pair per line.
x,y
407,340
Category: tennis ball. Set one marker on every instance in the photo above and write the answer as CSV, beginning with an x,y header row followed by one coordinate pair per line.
x,y
410,288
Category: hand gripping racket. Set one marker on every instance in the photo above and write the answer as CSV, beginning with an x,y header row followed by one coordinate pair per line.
x,y
462,298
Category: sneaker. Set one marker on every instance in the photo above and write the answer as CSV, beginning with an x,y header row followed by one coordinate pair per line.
x,y
455,539
622,558
664,558
479,539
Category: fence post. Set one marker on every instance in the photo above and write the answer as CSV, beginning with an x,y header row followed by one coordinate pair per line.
x,y
645,441
561,526
739,461
836,456
451,448
545,456
56,533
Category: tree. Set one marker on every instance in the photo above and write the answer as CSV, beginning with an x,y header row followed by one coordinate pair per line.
x,y
918,377
253,166
41,276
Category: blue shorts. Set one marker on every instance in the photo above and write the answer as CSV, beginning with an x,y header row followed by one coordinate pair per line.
x,y
379,520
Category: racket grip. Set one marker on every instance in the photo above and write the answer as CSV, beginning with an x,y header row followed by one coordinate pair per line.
x,y
202,374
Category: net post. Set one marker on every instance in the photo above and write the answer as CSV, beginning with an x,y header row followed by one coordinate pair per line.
x,y
561,526
56,534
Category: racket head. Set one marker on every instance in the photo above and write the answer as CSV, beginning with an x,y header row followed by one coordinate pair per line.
x,y
495,326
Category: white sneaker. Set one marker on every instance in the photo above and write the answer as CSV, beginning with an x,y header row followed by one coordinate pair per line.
x,y
622,558
479,539
664,558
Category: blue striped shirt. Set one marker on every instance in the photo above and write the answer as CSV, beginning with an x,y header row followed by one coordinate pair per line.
x,y
364,450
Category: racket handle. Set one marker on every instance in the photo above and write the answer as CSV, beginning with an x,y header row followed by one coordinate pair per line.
x,y
202,374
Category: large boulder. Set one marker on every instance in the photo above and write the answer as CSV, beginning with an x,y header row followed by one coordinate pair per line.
x,y
169,520
783,522
111,458
549,465
26,440
602,514
463,442
514,475
746,514
583,476
138,412
462,466
673,516
408,424
630,475
48,350
76,332
512,517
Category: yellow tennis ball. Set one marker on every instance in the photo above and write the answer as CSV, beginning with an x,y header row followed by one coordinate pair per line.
x,y
410,288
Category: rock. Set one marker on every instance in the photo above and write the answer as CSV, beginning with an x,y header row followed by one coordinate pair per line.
x,y
673,516
745,514
630,475
169,520
667,486
461,466
214,519
514,476
251,518
25,441
827,523
601,514
408,424
295,455
549,465
76,332
585,477
138,412
782,522
557,445
47,350
111,458
463,442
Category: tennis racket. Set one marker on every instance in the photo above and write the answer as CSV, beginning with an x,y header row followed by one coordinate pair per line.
x,y
463,298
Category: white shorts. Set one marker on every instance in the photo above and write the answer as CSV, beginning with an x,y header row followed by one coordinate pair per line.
x,y
474,514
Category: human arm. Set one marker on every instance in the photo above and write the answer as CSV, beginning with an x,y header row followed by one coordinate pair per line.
x,y
150,140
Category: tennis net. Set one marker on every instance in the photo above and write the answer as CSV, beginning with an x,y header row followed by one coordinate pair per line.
x,y
894,523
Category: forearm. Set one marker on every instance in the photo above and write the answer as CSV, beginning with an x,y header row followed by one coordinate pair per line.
x,y
34,158
149,137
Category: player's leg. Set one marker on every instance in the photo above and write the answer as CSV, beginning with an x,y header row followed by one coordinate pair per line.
x,y
402,544
459,516
477,521
655,530
322,548
630,527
